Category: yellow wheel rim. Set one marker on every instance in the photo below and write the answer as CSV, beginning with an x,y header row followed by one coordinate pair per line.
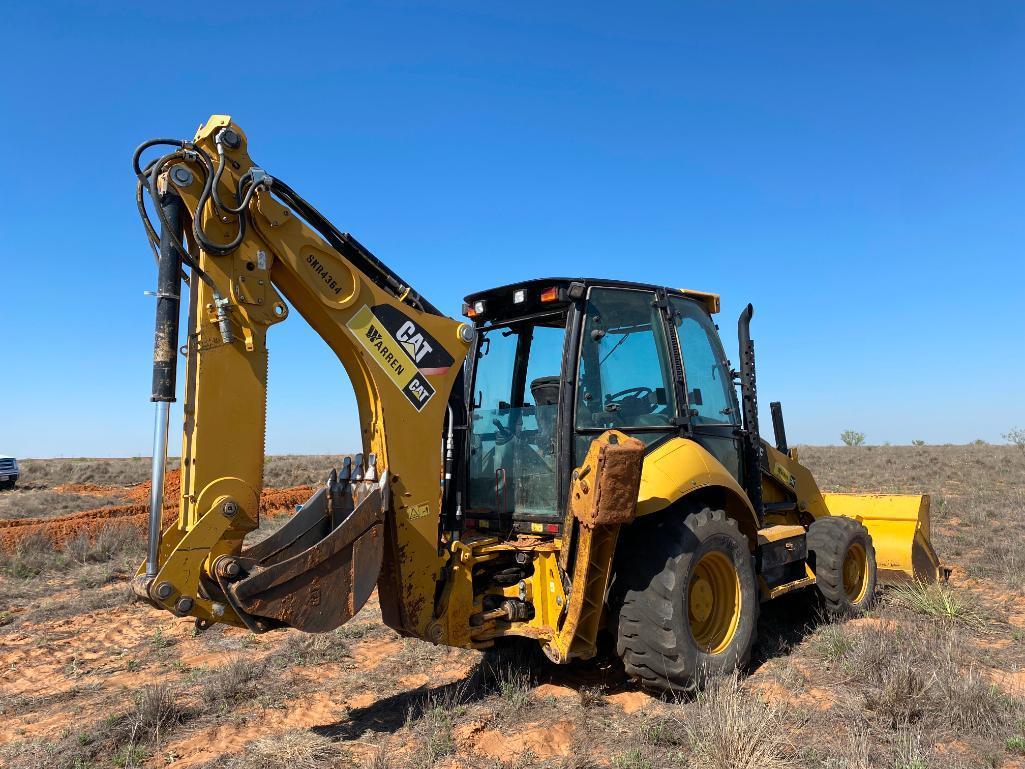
x,y
855,573
713,602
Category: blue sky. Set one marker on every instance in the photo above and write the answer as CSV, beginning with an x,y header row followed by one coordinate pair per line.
x,y
855,169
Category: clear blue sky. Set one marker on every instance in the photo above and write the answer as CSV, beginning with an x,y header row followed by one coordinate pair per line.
x,y
853,168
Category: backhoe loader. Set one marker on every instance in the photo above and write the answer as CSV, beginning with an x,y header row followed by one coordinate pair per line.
x,y
574,461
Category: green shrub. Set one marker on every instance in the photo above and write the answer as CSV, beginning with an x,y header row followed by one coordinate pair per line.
x,y
852,438
1016,437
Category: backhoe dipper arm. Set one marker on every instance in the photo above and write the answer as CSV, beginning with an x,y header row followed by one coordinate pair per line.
x,y
251,244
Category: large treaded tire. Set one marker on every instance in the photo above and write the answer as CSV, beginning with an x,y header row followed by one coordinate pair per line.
x,y
829,542
653,573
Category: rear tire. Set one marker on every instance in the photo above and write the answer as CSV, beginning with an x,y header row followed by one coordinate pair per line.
x,y
845,564
688,605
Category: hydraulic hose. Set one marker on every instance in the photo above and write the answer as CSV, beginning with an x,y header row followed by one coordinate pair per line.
x,y
246,188
352,249
186,257
246,177
220,303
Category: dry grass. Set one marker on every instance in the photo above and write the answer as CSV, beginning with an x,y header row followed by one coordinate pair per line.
x,y
32,556
939,601
39,474
925,681
292,749
111,541
223,689
44,503
913,676
734,730
125,739
35,556
158,712
431,732
312,649
283,471
46,473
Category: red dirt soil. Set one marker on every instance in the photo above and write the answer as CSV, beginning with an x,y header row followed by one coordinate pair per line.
x,y
60,529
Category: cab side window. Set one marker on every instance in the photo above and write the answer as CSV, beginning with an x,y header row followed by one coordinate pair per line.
x,y
709,387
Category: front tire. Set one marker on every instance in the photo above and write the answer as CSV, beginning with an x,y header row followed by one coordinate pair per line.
x,y
688,604
845,564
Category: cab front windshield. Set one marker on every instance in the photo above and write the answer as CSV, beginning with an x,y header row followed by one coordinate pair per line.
x,y
513,416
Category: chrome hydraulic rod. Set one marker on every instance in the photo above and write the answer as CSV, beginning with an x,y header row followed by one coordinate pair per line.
x,y
156,494
165,363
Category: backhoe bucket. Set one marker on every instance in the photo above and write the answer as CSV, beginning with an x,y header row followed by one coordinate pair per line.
x,y
319,569
899,526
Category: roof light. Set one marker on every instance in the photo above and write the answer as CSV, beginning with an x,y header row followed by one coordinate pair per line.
x,y
519,296
550,294
478,307
468,311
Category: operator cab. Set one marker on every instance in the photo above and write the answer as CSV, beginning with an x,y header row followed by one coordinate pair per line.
x,y
557,362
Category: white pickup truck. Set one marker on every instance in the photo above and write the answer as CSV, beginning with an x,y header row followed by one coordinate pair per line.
x,y
9,471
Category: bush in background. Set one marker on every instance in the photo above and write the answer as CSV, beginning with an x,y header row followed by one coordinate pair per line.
x,y
852,438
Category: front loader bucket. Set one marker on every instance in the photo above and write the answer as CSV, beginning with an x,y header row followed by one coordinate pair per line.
x,y
318,570
899,526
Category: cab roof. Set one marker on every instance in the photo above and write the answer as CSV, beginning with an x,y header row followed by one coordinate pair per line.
x,y
537,285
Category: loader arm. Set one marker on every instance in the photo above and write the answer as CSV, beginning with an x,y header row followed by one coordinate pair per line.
x,y
378,514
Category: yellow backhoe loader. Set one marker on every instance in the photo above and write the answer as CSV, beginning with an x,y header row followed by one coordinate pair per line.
x,y
571,460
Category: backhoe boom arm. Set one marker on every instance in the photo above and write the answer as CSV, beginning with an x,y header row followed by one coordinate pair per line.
x,y
255,248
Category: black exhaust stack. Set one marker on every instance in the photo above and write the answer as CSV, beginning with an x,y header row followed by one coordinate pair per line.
x,y
749,398
777,426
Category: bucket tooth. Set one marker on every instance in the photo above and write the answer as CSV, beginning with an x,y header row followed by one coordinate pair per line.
x,y
309,578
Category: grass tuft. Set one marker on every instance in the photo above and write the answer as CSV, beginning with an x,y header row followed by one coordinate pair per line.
x,y
227,687
939,601
292,749
32,556
158,711
733,729
834,644
313,648
513,686
111,541
431,730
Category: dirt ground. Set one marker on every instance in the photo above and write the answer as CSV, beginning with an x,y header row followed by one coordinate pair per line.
x,y
89,678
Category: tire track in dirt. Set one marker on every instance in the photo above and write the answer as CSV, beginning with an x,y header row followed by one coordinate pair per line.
x,y
135,513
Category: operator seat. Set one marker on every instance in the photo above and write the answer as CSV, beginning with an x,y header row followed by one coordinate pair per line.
x,y
545,390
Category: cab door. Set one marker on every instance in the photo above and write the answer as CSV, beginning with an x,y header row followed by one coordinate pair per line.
x,y
625,374
712,408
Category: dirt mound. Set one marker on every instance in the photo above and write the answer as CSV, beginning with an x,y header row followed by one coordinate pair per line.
x,y
90,489
62,528
136,493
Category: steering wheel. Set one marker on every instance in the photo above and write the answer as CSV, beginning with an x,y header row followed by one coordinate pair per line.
x,y
632,397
